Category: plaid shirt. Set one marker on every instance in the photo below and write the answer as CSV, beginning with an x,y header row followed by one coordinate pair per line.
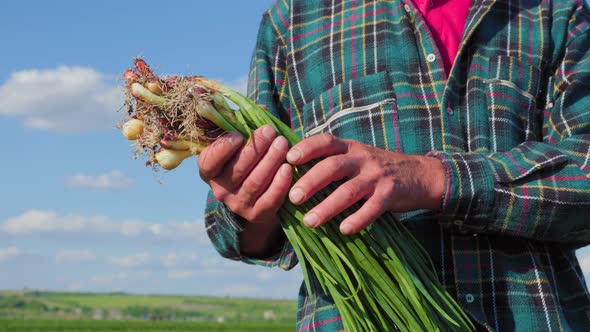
x,y
510,124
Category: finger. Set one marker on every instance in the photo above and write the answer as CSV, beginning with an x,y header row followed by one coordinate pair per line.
x,y
213,159
276,193
366,215
316,147
238,169
258,180
343,197
321,175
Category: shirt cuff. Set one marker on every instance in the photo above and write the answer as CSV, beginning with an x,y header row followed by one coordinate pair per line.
x,y
468,201
283,258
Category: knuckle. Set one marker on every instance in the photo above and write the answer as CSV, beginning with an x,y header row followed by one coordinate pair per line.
x,y
252,187
205,175
379,173
367,155
231,204
350,192
362,155
336,164
349,144
328,139
255,148
240,170
204,168
388,188
220,194
237,208
238,173
376,206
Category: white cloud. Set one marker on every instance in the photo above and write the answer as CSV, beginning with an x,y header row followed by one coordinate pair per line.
x,y
74,287
75,257
35,221
69,99
241,290
49,222
266,275
181,274
170,260
143,274
109,279
63,99
119,279
8,254
132,260
112,180
181,229
173,259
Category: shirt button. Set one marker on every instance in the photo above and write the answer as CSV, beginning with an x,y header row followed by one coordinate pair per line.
x,y
469,298
407,8
431,57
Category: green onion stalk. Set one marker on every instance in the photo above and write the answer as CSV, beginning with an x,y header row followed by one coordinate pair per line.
x,y
380,279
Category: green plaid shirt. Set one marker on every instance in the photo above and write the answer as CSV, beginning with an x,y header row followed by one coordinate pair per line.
x,y
510,124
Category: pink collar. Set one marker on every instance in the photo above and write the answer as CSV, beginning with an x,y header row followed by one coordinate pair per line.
x,y
446,20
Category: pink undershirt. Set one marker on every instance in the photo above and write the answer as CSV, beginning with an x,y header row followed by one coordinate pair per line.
x,y
446,20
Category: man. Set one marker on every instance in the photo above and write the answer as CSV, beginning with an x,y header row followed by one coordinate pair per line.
x,y
488,161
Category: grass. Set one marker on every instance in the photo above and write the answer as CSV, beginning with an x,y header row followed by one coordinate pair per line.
x,y
36,310
13,325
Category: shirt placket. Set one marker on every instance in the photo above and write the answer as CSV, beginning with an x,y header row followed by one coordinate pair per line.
x,y
431,56
431,64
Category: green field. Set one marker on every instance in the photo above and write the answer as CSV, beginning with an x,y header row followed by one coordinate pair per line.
x,y
58,311
11,325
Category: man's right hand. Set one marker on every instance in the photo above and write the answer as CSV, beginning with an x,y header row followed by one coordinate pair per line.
x,y
251,179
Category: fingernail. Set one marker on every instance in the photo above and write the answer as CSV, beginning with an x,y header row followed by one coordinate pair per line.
x,y
293,155
279,143
310,219
235,139
268,132
345,228
285,170
296,195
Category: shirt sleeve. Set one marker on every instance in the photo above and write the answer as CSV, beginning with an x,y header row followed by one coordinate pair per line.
x,y
537,190
267,83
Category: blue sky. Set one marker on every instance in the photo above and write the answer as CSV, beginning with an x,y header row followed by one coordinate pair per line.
x,y
78,212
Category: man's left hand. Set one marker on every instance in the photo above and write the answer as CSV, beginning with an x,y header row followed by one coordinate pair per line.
x,y
385,180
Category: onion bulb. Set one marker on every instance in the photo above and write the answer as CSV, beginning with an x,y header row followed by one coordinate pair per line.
x,y
170,159
155,87
132,129
193,147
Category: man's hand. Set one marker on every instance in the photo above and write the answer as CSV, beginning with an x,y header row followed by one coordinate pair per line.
x,y
251,180
387,181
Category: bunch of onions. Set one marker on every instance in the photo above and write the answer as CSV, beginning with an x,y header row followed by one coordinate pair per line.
x,y
380,279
